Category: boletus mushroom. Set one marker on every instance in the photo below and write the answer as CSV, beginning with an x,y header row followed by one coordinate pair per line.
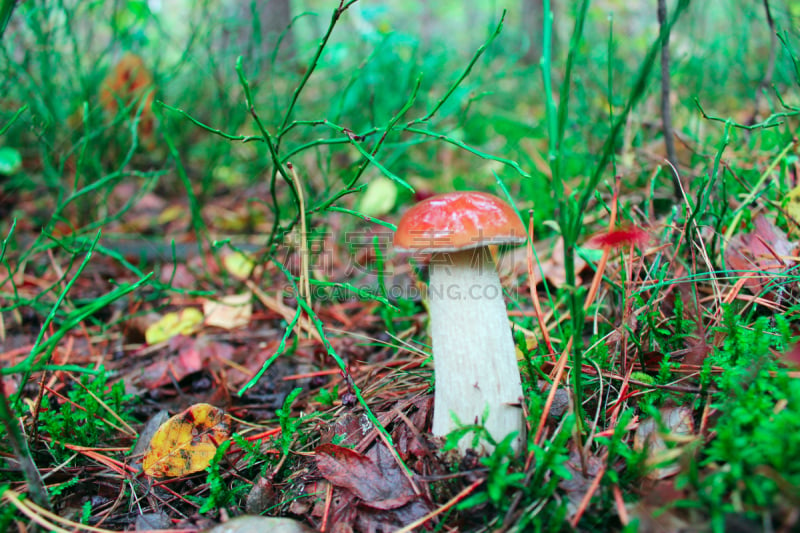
x,y
475,363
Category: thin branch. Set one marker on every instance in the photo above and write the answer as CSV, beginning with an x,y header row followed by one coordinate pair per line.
x,y
766,81
666,114
22,453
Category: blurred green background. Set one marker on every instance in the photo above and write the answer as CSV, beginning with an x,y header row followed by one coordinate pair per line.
x,y
393,90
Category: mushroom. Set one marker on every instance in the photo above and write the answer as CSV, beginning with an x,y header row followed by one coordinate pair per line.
x,y
475,362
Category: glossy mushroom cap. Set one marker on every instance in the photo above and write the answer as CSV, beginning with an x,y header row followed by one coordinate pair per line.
x,y
458,221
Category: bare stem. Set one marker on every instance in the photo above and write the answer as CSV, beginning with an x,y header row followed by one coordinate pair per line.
x,y
22,453
666,114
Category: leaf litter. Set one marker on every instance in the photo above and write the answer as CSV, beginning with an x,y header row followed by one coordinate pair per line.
x,y
339,472
347,478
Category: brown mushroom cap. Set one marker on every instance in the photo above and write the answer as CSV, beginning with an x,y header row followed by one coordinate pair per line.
x,y
458,221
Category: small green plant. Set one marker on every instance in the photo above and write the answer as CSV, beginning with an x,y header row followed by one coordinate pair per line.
x,y
84,419
751,463
478,432
501,477
289,424
619,453
86,511
252,451
508,488
220,494
326,397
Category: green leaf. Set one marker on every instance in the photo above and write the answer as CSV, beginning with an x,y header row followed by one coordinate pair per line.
x,y
379,198
10,160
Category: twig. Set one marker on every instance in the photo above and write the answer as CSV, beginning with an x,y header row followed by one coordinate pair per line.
x,y
766,81
622,512
327,510
22,453
559,371
666,114
125,427
46,518
591,490
534,295
303,283
601,266
457,498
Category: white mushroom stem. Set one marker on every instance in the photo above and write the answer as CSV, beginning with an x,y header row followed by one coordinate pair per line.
x,y
473,351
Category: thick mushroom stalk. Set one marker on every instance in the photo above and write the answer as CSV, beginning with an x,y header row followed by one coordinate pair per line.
x,y
474,357
473,352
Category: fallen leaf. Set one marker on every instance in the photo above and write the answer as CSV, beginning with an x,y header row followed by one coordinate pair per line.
x,y
172,324
8,386
760,255
229,312
128,81
260,524
678,428
239,265
410,438
171,213
148,432
656,510
792,202
347,430
261,496
530,345
387,489
148,521
192,356
178,276
130,77
580,481
371,492
792,356
187,442
379,198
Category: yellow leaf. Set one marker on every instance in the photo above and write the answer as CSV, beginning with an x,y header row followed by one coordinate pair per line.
x,y
379,198
530,344
239,265
229,312
173,212
171,324
793,207
187,442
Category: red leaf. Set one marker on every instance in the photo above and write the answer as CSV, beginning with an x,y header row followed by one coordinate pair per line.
x,y
760,254
192,356
379,485
621,237
792,357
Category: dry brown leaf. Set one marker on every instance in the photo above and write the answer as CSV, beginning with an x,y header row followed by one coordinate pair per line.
x,y
580,482
760,255
679,427
371,491
229,312
655,512
261,524
192,356
386,488
792,356
187,442
178,276
129,81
